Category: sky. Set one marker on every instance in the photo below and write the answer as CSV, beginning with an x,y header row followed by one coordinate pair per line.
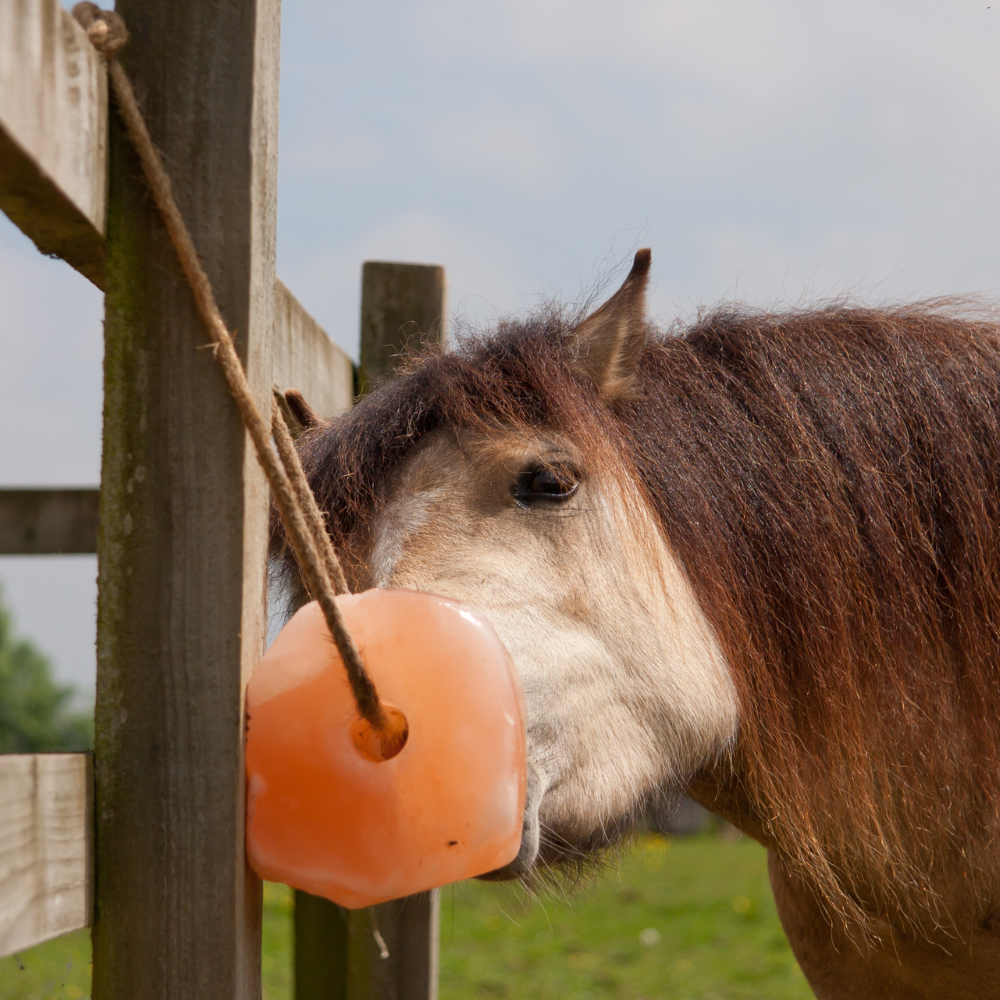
x,y
770,152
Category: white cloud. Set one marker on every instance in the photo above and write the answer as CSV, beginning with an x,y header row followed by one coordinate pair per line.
x,y
481,271
512,146
715,79
770,150
54,601
51,342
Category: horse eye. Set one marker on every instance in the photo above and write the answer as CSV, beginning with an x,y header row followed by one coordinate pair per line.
x,y
545,484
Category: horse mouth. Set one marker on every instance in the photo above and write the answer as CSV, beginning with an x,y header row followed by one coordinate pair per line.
x,y
548,855
517,870
548,858
520,868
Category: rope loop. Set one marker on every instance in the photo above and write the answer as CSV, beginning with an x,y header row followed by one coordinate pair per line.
x,y
302,519
105,28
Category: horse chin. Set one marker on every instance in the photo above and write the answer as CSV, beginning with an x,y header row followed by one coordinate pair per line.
x,y
556,862
556,858
520,868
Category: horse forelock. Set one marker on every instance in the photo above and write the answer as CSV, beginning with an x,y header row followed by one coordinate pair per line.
x,y
830,481
519,376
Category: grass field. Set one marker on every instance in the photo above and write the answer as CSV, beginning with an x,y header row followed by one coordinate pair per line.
x,y
685,918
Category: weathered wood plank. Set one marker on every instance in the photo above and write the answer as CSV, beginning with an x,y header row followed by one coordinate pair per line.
x,y
53,133
45,522
402,307
410,931
321,944
305,358
183,537
45,847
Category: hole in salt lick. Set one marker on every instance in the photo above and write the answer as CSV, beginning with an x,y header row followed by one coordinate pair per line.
x,y
376,745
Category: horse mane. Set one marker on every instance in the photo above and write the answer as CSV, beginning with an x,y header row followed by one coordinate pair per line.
x,y
830,480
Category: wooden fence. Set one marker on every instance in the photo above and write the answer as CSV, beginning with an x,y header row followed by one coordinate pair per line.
x,y
146,843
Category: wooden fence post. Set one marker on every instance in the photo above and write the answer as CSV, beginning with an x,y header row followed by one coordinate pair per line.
x,y
402,307
184,508
321,943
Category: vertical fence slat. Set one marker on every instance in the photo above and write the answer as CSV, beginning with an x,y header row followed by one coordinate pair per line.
x,y
321,946
402,307
409,928
183,537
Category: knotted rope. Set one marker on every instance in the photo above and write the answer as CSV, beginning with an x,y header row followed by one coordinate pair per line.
x,y
300,515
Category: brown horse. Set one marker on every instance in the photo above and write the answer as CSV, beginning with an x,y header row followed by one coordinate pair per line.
x,y
757,559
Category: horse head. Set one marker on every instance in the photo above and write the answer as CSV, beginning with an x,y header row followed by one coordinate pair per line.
x,y
507,489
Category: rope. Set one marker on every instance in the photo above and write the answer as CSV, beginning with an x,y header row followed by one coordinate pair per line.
x,y
300,515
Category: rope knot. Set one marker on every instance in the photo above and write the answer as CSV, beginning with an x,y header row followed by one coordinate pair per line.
x,y
105,28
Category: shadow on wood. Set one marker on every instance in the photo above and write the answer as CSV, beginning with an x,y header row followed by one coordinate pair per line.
x,y
321,936
402,962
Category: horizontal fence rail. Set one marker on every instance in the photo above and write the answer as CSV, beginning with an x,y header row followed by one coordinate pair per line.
x,y
47,522
53,133
306,359
46,853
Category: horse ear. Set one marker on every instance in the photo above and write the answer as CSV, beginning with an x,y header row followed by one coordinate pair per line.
x,y
609,341
304,414
299,415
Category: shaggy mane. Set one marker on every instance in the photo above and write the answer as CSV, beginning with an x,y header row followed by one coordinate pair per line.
x,y
830,481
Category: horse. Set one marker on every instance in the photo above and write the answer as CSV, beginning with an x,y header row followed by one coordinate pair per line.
x,y
754,559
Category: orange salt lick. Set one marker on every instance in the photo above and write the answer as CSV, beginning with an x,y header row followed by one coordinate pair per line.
x,y
324,812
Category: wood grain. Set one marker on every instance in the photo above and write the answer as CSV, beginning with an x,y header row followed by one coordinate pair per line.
x,y
410,929
402,309
183,537
45,522
45,847
306,359
403,306
321,942
53,133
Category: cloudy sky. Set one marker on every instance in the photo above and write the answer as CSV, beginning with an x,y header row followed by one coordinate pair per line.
x,y
769,152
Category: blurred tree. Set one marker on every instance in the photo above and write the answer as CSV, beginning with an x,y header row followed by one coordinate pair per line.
x,y
36,713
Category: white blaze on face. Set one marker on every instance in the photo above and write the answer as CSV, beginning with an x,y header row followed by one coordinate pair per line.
x,y
399,523
627,690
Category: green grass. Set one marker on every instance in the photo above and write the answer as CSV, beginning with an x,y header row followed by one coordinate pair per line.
x,y
687,918
680,919
59,968
276,948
